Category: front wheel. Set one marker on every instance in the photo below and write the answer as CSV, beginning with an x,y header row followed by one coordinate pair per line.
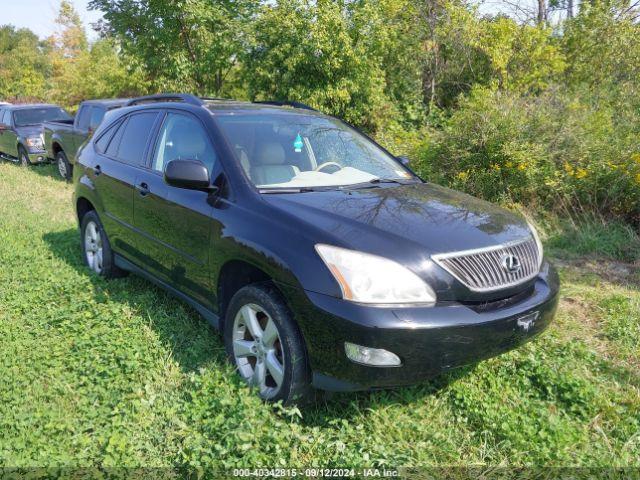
x,y
23,157
64,167
96,248
264,344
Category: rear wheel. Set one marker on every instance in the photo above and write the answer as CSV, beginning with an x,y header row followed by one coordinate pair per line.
x,y
96,248
264,344
64,167
23,156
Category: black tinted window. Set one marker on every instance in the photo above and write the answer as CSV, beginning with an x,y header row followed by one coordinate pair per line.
x,y
83,117
103,141
97,114
112,149
135,137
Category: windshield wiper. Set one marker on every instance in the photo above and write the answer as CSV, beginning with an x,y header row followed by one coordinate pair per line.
x,y
288,190
393,180
374,182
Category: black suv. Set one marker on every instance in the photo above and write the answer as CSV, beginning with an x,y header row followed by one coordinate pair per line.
x,y
321,257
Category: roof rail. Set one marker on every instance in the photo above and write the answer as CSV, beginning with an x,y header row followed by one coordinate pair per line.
x,y
216,99
167,97
286,103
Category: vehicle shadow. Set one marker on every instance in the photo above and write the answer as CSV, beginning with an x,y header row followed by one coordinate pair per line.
x,y
194,344
47,170
330,406
191,341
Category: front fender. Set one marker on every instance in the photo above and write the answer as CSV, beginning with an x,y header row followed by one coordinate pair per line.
x,y
57,140
275,245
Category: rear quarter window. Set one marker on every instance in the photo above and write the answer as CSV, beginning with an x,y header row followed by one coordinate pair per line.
x,y
102,142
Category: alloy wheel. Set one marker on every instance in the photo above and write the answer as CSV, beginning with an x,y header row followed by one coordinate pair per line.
x,y
93,247
257,350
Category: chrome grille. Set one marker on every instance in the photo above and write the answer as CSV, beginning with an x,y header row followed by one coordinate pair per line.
x,y
486,269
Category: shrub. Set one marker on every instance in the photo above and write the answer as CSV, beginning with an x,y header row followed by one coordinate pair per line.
x,y
567,151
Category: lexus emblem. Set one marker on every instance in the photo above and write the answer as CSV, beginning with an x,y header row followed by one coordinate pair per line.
x,y
511,263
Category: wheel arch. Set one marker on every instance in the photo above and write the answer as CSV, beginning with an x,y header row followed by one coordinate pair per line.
x,y
56,148
83,206
236,274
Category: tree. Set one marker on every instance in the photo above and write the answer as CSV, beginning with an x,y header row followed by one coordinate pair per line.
x,y
601,44
24,65
319,53
71,39
82,71
191,45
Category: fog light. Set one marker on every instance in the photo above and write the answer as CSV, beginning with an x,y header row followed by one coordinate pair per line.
x,y
371,356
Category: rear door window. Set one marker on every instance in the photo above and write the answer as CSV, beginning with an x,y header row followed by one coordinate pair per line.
x,y
133,138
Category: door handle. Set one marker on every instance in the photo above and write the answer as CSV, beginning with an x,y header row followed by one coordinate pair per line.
x,y
143,189
97,170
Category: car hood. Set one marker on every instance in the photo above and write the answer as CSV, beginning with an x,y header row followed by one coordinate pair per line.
x,y
29,130
394,220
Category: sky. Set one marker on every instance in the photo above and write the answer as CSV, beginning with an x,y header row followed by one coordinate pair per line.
x,y
38,15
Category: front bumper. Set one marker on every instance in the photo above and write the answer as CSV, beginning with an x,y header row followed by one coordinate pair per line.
x,y
429,340
37,156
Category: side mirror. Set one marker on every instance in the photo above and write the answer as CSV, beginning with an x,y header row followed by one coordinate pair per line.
x,y
404,161
188,174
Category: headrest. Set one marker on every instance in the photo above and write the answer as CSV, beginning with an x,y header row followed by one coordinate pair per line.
x,y
270,153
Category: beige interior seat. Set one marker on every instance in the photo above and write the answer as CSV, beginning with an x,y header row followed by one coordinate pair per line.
x,y
269,165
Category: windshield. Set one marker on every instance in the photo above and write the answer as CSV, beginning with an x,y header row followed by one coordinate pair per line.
x,y
35,116
284,150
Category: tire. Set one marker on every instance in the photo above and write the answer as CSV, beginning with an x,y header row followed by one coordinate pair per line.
x,y
65,169
257,310
96,249
23,157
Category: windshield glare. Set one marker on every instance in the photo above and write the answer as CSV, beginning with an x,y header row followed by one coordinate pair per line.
x,y
296,151
35,116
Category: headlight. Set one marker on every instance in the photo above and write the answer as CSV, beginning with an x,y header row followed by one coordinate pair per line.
x,y
366,278
534,232
35,142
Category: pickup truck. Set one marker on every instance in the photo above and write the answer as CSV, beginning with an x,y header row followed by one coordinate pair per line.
x,y
63,139
21,131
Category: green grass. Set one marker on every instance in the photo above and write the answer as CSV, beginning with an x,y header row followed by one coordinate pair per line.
x,y
588,236
102,373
